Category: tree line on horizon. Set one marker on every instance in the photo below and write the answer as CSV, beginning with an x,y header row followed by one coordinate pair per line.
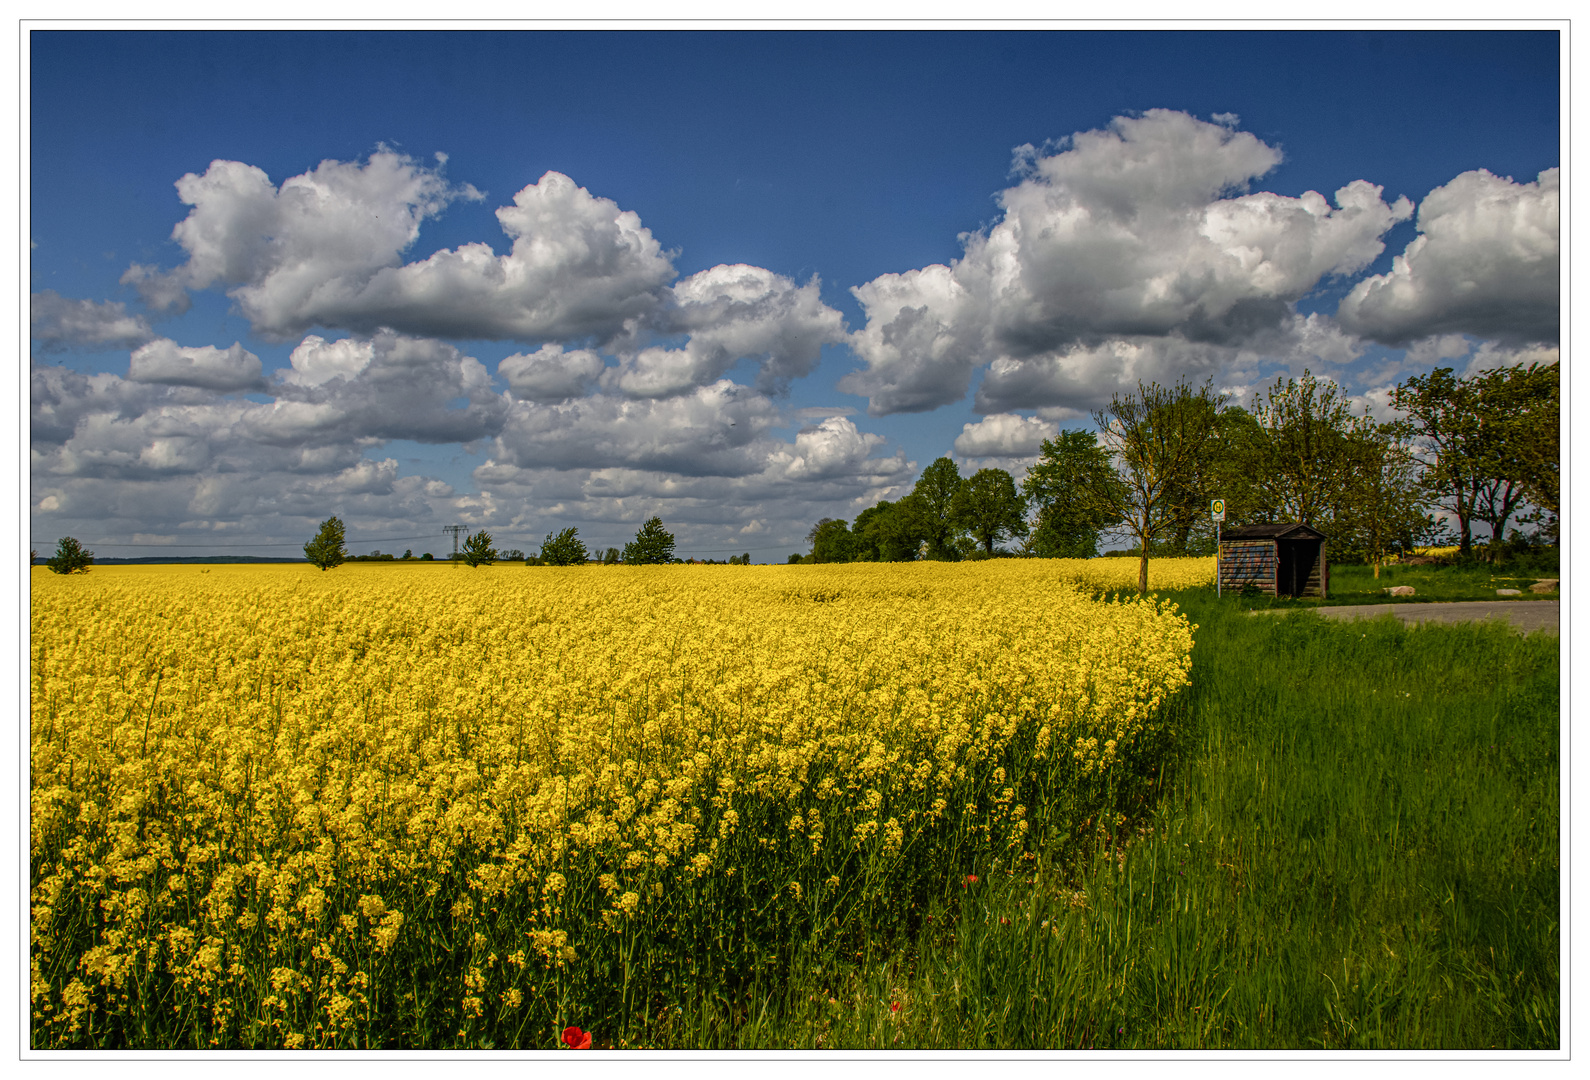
x,y
1483,449
653,544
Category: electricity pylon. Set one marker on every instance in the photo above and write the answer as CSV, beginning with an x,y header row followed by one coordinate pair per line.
x,y
455,530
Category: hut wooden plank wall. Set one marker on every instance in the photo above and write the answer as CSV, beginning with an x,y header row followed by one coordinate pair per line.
x,y
1280,558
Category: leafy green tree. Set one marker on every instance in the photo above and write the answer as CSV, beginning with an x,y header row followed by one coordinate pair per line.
x,y
832,542
328,548
865,533
888,532
1064,487
477,550
1158,439
988,507
564,549
1230,473
1488,443
1539,443
1382,508
652,545
611,558
1520,416
1304,453
70,557
931,505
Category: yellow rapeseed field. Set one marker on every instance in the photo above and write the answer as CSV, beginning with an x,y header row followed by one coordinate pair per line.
x,y
423,805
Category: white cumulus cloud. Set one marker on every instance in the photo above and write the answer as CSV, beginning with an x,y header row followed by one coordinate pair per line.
x,y
325,249
390,386
551,373
734,313
288,255
60,322
1486,262
205,366
1003,435
1143,230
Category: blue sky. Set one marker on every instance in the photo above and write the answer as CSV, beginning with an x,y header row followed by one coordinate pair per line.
x,y
665,321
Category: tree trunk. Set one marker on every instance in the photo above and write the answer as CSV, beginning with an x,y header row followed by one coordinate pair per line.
x,y
1142,570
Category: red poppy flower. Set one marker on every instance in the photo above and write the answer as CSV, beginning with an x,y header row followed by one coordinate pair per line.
x,y
894,1007
575,1039
971,879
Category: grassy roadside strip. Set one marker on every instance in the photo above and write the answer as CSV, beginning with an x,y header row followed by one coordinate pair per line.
x,y
1353,584
1358,850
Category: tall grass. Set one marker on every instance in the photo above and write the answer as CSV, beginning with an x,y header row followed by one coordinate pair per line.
x,y
1358,850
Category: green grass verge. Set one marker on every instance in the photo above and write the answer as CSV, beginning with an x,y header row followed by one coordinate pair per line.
x,y
1355,584
1355,847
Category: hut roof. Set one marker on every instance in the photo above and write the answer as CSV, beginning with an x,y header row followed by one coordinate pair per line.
x,y
1275,530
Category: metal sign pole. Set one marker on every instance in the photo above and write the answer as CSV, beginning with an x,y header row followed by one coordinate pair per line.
x,y
1217,512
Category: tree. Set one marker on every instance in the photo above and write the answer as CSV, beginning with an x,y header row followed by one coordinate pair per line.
x,y
1303,453
1539,443
1489,443
988,506
611,558
931,505
1383,504
477,549
1158,439
832,542
327,549
70,557
1519,412
1063,487
888,532
652,545
811,533
564,549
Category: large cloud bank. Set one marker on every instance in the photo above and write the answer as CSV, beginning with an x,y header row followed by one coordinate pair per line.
x,y
1141,251
1486,262
1129,243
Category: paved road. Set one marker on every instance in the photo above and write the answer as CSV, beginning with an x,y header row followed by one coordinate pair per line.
x,y
1527,615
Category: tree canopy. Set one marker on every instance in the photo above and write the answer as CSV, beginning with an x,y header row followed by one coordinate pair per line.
x,y
1062,486
652,545
477,550
932,507
1488,444
832,542
564,549
988,507
1161,441
70,557
328,548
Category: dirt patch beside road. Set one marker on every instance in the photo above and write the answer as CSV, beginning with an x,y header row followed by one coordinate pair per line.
x,y
1527,615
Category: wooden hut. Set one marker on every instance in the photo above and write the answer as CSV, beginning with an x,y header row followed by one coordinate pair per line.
x,y
1281,558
